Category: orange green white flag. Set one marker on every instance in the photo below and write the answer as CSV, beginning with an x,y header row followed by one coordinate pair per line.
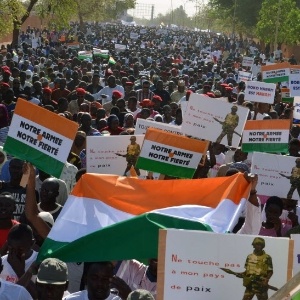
x,y
40,137
266,136
107,217
170,154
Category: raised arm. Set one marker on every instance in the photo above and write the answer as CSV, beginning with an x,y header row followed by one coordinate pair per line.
x,y
31,209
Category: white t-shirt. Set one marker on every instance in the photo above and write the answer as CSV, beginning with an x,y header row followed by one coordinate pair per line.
x,y
83,295
108,91
8,274
9,291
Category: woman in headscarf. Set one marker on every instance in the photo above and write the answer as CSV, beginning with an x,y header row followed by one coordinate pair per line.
x,y
3,157
4,118
128,121
4,123
79,142
113,125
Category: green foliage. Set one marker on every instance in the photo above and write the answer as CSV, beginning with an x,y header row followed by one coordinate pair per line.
x,y
10,11
283,14
244,13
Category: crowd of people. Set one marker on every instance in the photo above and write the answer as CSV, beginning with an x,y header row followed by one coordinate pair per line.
x,y
150,77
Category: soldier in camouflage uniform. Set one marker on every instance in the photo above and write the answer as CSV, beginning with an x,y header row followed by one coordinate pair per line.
x,y
228,126
294,179
259,270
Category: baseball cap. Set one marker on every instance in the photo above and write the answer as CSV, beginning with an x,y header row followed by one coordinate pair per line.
x,y
140,295
52,271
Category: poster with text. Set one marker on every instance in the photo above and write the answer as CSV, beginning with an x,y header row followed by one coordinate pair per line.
x,y
260,92
113,154
296,111
278,175
142,126
248,61
214,120
197,265
294,85
276,73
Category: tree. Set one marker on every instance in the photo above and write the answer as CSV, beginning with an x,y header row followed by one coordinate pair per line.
x,y
100,10
279,22
242,13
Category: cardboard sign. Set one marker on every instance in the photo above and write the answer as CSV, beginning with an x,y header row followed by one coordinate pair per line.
x,y
120,47
41,137
296,111
266,136
134,35
142,126
277,175
294,85
296,263
110,154
244,76
295,69
170,154
248,61
276,73
260,92
214,120
197,265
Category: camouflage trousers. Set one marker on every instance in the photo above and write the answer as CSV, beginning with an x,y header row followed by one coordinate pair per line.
x,y
229,134
295,184
256,290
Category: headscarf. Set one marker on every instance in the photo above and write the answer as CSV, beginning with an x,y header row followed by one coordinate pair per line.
x,y
5,157
126,117
4,119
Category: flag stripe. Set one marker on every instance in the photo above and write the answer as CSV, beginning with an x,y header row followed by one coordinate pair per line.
x,y
284,65
265,147
172,140
165,168
42,161
33,113
267,125
43,144
276,79
127,191
124,238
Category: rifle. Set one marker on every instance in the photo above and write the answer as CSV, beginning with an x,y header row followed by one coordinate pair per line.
x,y
239,275
222,125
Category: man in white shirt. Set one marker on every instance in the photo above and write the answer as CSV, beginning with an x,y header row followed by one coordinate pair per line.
x,y
20,254
10,291
108,90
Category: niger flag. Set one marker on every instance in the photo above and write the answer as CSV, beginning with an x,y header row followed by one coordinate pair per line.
x,y
107,217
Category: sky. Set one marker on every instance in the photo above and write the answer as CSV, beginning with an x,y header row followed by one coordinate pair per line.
x,y
164,6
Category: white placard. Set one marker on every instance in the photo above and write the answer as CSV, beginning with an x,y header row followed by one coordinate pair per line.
x,y
296,111
205,118
244,76
134,35
274,175
192,261
120,47
257,91
101,154
248,61
142,126
294,84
